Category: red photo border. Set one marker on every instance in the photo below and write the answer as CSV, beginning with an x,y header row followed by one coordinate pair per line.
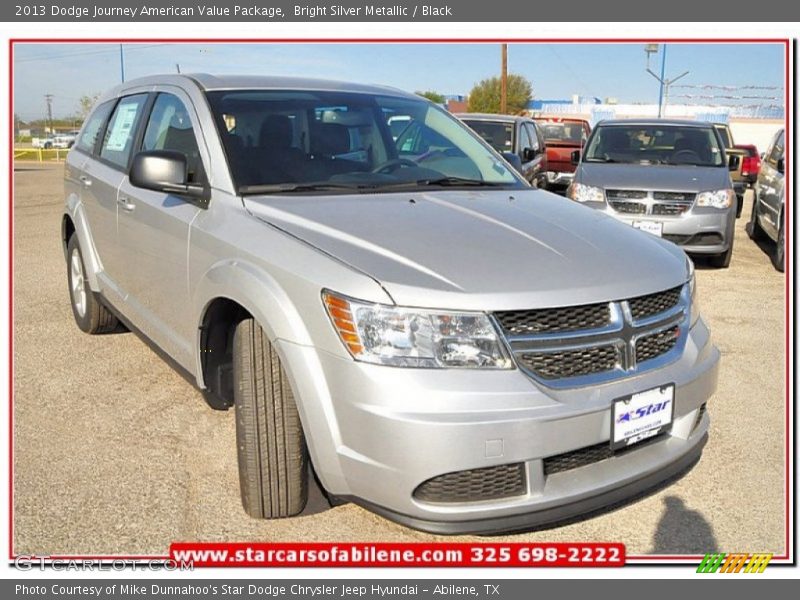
x,y
786,42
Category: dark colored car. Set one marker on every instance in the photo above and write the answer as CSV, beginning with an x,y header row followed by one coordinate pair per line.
x,y
767,220
519,136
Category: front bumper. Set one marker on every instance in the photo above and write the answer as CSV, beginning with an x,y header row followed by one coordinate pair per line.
x,y
375,433
559,178
698,231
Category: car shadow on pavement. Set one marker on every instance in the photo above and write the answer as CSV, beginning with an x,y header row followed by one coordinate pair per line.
x,y
682,530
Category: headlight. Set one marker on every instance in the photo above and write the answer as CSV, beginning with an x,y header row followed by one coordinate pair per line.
x,y
585,193
411,337
716,199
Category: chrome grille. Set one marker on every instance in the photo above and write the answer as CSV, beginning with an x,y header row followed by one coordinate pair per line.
x,y
569,363
625,201
573,318
475,485
652,346
589,344
652,304
642,202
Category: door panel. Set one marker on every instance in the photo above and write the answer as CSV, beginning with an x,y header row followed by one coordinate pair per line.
x,y
154,232
101,179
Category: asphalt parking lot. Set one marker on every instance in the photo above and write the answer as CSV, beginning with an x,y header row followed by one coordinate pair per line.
x,y
115,453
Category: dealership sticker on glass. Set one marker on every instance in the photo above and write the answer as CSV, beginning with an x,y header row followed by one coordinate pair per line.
x,y
641,416
653,227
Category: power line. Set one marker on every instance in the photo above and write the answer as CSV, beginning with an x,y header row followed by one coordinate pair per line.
x,y
114,49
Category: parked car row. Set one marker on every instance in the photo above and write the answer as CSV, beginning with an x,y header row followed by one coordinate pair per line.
x,y
680,180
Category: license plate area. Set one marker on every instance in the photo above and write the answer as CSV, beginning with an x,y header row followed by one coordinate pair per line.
x,y
642,416
652,227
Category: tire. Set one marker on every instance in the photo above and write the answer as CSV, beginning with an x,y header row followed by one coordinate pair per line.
x,y
90,314
753,229
722,261
273,460
739,205
779,252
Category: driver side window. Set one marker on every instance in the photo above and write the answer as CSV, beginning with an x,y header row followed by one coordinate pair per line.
x,y
170,128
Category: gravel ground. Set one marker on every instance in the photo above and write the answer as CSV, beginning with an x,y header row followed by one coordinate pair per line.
x,y
115,453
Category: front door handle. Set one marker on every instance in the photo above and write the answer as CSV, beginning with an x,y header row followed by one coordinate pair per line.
x,y
86,181
125,204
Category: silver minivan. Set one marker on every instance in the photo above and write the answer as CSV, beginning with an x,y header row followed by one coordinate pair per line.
x,y
440,342
670,178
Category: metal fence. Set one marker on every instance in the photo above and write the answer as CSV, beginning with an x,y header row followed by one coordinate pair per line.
x,y
40,155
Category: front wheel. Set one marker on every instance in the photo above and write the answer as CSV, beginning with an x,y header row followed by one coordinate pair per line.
x,y
779,253
273,460
753,228
722,261
90,315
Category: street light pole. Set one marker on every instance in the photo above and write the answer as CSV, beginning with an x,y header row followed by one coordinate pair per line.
x,y
121,64
663,92
661,87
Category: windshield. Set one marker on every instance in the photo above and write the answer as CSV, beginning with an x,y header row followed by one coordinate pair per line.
x,y
572,133
285,141
497,134
652,144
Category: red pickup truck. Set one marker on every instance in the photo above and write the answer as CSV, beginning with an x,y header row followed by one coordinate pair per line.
x,y
562,137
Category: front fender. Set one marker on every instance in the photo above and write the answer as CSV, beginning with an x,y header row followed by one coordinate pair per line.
x,y
92,264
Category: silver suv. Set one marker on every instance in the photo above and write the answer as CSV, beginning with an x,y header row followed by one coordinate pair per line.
x,y
442,343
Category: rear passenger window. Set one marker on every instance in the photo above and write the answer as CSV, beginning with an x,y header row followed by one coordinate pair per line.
x,y
170,128
88,137
118,140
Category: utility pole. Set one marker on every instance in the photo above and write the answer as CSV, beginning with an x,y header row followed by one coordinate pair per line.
x,y
48,98
504,80
121,64
663,91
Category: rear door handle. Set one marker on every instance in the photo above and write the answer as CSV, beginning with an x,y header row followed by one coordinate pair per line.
x,y
125,204
86,181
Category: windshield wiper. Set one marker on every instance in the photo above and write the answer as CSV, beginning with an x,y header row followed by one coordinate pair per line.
x,y
284,188
601,159
443,182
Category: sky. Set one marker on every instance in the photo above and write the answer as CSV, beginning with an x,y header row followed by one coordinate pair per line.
x,y
69,71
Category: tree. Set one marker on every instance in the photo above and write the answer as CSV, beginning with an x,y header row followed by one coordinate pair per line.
x,y
432,96
485,96
85,105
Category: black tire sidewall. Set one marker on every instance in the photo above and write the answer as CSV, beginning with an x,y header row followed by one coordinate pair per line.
x,y
84,322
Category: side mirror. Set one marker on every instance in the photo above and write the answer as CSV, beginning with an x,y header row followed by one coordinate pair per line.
x,y
780,166
733,162
514,160
576,157
164,171
529,154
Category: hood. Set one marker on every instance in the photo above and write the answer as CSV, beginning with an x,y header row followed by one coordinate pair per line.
x,y
480,250
653,177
